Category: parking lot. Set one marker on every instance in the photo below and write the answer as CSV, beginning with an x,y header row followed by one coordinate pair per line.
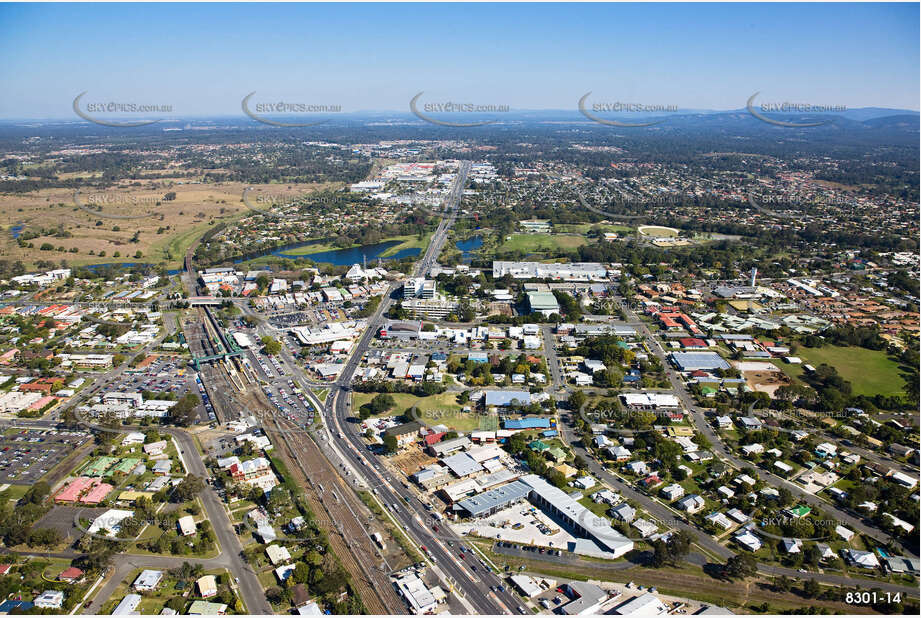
x,y
63,519
167,374
26,455
521,523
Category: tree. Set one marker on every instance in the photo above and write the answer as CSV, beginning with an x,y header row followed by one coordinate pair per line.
x,y
301,573
740,566
678,545
183,413
811,588
190,487
37,493
381,403
390,444
577,400
272,345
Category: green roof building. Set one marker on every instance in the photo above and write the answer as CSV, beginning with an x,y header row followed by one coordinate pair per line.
x,y
543,302
98,466
538,446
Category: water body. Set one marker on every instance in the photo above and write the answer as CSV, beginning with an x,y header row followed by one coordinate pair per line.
x,y
468,246
16,230
347,257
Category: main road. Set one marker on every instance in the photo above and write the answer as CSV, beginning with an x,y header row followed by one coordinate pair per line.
x,y
475,584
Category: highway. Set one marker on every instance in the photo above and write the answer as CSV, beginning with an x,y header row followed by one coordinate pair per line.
x,y
472,581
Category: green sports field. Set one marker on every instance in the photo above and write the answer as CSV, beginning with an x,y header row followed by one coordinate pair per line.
x,y
870,372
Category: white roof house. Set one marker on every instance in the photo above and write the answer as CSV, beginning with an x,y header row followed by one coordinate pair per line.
x,y
186,525
277,554
128,605
672,492
844,533
691,504
748,540
148,579
719,519
864,559
50,599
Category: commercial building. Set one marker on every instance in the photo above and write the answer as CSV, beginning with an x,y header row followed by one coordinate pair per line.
x,y
576,271
327,333
400,330
692,361
434,308
581,522
494,500
643,605
544,303
525,585
579,519
503,399
405,434
421,598
109,522
649,401
586,598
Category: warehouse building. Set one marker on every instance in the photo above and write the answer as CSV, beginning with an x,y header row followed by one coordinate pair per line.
x,y
544,303
692,361
599,538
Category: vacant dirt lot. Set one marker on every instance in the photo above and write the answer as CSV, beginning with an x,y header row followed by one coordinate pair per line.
x,y
762,377
411,460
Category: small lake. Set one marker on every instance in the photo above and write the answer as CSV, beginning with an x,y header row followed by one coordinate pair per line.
x,y
467,247
347,257
16,230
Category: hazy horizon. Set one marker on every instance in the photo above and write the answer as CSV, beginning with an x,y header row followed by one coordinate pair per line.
x,y
201,60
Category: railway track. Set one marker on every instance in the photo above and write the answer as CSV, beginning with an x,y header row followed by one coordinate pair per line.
x,y
336,510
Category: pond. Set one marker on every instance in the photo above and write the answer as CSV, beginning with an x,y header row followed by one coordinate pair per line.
x,y
468,246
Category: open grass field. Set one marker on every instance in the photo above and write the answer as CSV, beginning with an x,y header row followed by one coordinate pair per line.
x,y
584,228
405,242
161,230
440,409
657,231
536,243
870,372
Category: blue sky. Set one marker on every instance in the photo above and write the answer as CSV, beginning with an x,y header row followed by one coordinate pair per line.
x,y
203,58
